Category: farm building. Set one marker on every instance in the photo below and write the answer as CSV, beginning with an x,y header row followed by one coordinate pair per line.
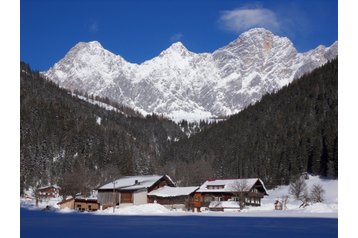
x,y
131,189
86,204
173,197
47,192
80,203
215,193
67,203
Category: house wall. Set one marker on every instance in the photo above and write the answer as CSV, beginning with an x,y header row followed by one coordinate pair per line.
x,y
251,199
86,205
140,197
180,202
105,198
48,192
161,183
68,204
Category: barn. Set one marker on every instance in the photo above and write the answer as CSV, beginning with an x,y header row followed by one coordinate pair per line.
x,y
173,197
223,194
131,189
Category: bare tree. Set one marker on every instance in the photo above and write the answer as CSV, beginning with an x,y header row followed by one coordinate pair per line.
x,y
317,192
240,190
305,199
284,200
298,188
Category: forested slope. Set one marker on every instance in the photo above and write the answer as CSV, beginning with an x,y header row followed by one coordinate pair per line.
x,y
78,145
66,140
286,133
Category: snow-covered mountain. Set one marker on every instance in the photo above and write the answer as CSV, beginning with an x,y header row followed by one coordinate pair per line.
x,y
181,84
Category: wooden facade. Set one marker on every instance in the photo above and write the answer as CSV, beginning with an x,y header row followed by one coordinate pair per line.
x,y
68,203
107,197
80,204
47,192
84,204
172,201
127,197
252,196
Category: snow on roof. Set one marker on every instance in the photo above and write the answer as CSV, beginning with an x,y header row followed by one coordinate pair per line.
x,y
228,185
49,186
167,191
133,182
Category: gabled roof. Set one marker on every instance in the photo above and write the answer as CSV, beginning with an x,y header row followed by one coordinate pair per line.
x,y
167,191
49,186
134,182
229,185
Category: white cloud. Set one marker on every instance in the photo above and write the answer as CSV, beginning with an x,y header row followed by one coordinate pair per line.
x,y
176,37
241,19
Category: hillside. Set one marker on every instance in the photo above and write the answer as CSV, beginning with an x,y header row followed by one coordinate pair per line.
x,y
286,133
66,139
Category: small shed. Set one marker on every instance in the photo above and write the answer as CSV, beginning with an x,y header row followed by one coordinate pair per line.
x,y
67,203
80,203
86,204
173,197
278,205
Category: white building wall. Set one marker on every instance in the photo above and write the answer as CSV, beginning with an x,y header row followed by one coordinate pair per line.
x,y
140,197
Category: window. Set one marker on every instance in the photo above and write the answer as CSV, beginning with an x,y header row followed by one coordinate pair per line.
x,y
215,186
208,198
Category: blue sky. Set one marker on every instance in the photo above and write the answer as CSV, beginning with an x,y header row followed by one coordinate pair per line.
x,y
139,30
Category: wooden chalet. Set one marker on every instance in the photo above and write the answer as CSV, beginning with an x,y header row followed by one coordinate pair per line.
x,y
223,194
173,197
48,192
131,189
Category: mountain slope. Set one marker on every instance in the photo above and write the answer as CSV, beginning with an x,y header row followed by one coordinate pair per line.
x,y
64,137
289,132
184,85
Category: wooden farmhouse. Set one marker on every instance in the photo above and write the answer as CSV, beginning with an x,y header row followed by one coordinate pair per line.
x,y
131,189
226,194
48,192
67,203
173,197
80,204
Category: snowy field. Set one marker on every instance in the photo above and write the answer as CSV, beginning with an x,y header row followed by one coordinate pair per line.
x,y
153,220
327,209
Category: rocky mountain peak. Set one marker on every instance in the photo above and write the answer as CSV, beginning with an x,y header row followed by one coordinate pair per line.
x,y
184,85
176,48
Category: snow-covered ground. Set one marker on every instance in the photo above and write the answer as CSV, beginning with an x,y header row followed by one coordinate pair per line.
x,y
329,208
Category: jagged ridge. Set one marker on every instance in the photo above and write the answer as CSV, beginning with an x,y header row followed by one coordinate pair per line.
x,y
184,85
